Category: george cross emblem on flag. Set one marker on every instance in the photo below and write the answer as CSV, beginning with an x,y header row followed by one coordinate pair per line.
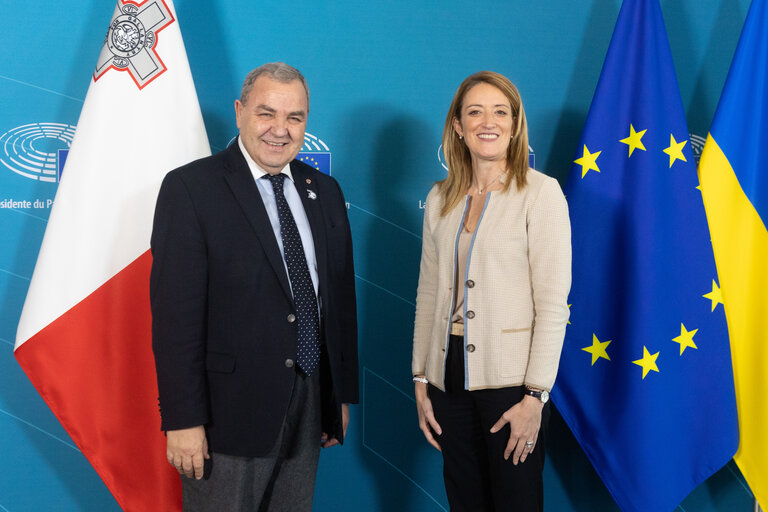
x,y
131,41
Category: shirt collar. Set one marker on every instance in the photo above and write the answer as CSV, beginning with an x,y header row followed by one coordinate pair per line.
x,y
256,169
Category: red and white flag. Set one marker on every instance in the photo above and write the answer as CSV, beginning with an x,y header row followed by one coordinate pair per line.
x,y
84,338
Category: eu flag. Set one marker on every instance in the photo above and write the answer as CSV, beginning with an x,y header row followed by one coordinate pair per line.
x,y
645,381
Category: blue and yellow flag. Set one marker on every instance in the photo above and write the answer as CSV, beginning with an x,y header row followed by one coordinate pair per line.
x,y
734,182
645,380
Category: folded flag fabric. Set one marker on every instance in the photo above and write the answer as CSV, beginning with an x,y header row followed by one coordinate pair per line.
x,y
84,337
734,183
645,381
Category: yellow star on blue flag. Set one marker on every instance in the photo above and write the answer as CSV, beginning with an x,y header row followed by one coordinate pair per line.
x,y
634,140
588,161
675,150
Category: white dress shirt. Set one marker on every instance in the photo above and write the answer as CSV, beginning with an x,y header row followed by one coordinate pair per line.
x,y
297,210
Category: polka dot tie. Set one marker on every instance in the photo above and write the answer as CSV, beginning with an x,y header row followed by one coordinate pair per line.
x,y
304,299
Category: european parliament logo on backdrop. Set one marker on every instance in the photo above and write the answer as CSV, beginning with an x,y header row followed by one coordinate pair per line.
x,y
697,146
316,153
36,151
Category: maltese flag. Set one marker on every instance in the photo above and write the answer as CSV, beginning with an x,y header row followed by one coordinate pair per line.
x,y
84,337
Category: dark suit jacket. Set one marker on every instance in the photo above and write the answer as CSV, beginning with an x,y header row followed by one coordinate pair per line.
x,y
221,300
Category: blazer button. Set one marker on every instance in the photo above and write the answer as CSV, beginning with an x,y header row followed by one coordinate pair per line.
x,y
291,318
470,348
470,283
470,314
289,363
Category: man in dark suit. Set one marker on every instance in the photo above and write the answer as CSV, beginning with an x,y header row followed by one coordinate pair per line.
x,y
253,305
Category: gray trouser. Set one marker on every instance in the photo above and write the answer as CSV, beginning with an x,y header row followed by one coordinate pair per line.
x,y
284,480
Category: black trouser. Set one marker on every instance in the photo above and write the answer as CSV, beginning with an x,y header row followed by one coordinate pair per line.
x,y
477,478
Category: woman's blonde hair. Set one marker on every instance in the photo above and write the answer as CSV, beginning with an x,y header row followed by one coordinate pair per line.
x,y
457,156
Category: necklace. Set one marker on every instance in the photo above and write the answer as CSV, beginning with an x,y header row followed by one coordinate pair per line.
x,y
480,189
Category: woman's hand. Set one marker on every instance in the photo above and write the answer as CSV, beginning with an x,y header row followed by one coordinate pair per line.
x,y
524,420
427,421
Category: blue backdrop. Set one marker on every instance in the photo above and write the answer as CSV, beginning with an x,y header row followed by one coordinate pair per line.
x,y
382,75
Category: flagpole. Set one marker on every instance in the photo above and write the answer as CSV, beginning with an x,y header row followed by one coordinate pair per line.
x,y
757,507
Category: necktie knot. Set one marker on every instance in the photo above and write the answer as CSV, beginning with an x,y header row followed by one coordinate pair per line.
x,y
277,181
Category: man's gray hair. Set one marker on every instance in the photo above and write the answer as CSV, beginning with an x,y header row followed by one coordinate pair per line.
x,y
279,71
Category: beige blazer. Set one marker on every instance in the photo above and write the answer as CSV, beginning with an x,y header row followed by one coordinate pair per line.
x,y
516,309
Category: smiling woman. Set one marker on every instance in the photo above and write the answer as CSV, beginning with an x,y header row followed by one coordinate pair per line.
x,y
486,125
491,305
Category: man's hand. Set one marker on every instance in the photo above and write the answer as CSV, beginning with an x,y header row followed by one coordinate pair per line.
x,y
327,443
187,448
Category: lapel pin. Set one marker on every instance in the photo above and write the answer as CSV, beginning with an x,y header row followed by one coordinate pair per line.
x,y
311,194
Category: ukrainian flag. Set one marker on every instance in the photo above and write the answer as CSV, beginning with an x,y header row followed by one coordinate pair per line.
x,y
645,380
734,180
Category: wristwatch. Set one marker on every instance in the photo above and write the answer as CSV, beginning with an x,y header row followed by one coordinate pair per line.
x,y
542,395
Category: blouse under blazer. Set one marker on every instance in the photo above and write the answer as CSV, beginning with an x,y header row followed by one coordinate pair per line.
x,y
515,295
